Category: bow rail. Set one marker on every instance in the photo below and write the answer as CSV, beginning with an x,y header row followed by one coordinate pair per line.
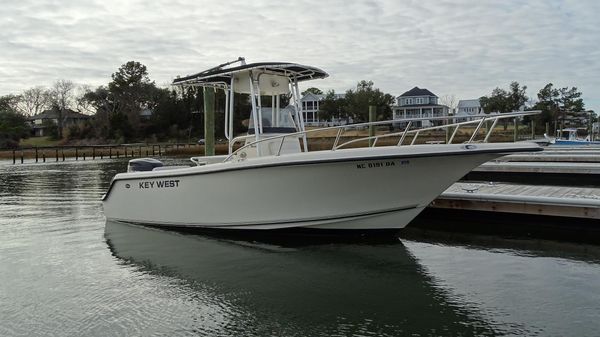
x,y
477,121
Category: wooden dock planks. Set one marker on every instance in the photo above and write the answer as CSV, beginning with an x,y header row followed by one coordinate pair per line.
x,y
554,201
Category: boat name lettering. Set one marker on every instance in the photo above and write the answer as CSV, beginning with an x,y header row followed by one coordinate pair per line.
x,y
378,164
159,184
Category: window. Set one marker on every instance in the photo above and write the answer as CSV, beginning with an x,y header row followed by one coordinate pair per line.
x,y
309,116
419,100
409,101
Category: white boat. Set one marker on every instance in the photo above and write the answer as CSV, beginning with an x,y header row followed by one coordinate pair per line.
x,y
570,137
272,181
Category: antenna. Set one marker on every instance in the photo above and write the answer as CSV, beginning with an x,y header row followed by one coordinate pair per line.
x,y
220,66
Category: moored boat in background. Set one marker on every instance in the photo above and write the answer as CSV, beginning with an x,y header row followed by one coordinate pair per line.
x,y
570,137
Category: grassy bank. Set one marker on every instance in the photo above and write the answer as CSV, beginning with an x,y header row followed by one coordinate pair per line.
x,y
39,141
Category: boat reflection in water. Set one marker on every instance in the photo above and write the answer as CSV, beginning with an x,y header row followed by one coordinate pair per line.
x,y
260,288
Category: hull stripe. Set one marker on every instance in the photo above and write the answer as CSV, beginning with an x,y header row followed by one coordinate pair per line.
x,y
292,223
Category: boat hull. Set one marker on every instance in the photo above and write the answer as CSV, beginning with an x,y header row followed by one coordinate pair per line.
x,y
349,189
563,142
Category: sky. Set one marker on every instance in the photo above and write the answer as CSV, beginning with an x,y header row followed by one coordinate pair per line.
x,y
464,48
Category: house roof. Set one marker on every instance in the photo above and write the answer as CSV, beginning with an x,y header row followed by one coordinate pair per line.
x,y
416,91
312,97
53,114
468,103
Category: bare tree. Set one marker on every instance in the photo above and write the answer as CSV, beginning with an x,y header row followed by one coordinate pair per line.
x,y
62,99
33,101
449,101
82,104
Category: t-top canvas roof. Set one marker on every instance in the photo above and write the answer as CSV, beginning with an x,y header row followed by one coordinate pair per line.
x,y
219,77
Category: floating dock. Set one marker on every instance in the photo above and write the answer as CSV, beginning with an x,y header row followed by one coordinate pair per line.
x,y
553,166
555,201
554,194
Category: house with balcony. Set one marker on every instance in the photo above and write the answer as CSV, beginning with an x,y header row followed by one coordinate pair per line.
x,y
310,109
42,121
419,103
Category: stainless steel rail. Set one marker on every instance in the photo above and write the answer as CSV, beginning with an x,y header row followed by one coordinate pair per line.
x,y
477,121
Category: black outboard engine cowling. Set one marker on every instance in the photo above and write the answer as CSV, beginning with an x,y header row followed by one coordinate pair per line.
x,y
143,164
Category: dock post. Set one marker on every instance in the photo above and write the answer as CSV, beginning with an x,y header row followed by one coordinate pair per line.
x,y
159,153
93,153
110,152
56,152
372,118
84,155
14,157
209,121
43,156
21,156
447,129
36,154
76,153
62,150
117,153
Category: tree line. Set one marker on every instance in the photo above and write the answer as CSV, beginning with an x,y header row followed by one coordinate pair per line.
x,y
174,113
554,102
117,110
354,104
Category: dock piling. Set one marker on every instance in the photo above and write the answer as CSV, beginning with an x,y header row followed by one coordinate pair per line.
x,y
209,122
372,118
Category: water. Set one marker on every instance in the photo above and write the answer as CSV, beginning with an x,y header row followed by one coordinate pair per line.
x,y
64,271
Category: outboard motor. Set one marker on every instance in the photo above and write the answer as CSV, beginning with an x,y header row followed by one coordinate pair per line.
x,y
143,164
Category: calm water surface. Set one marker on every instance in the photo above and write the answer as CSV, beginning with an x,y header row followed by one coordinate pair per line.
x,y
65,271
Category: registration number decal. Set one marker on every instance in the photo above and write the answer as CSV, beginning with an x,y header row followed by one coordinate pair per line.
x,y
380,164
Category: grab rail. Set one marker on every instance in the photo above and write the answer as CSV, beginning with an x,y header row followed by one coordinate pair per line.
x,y
479,120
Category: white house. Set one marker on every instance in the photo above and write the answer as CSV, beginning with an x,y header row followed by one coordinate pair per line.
x,y
310,108
419,103
468,108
